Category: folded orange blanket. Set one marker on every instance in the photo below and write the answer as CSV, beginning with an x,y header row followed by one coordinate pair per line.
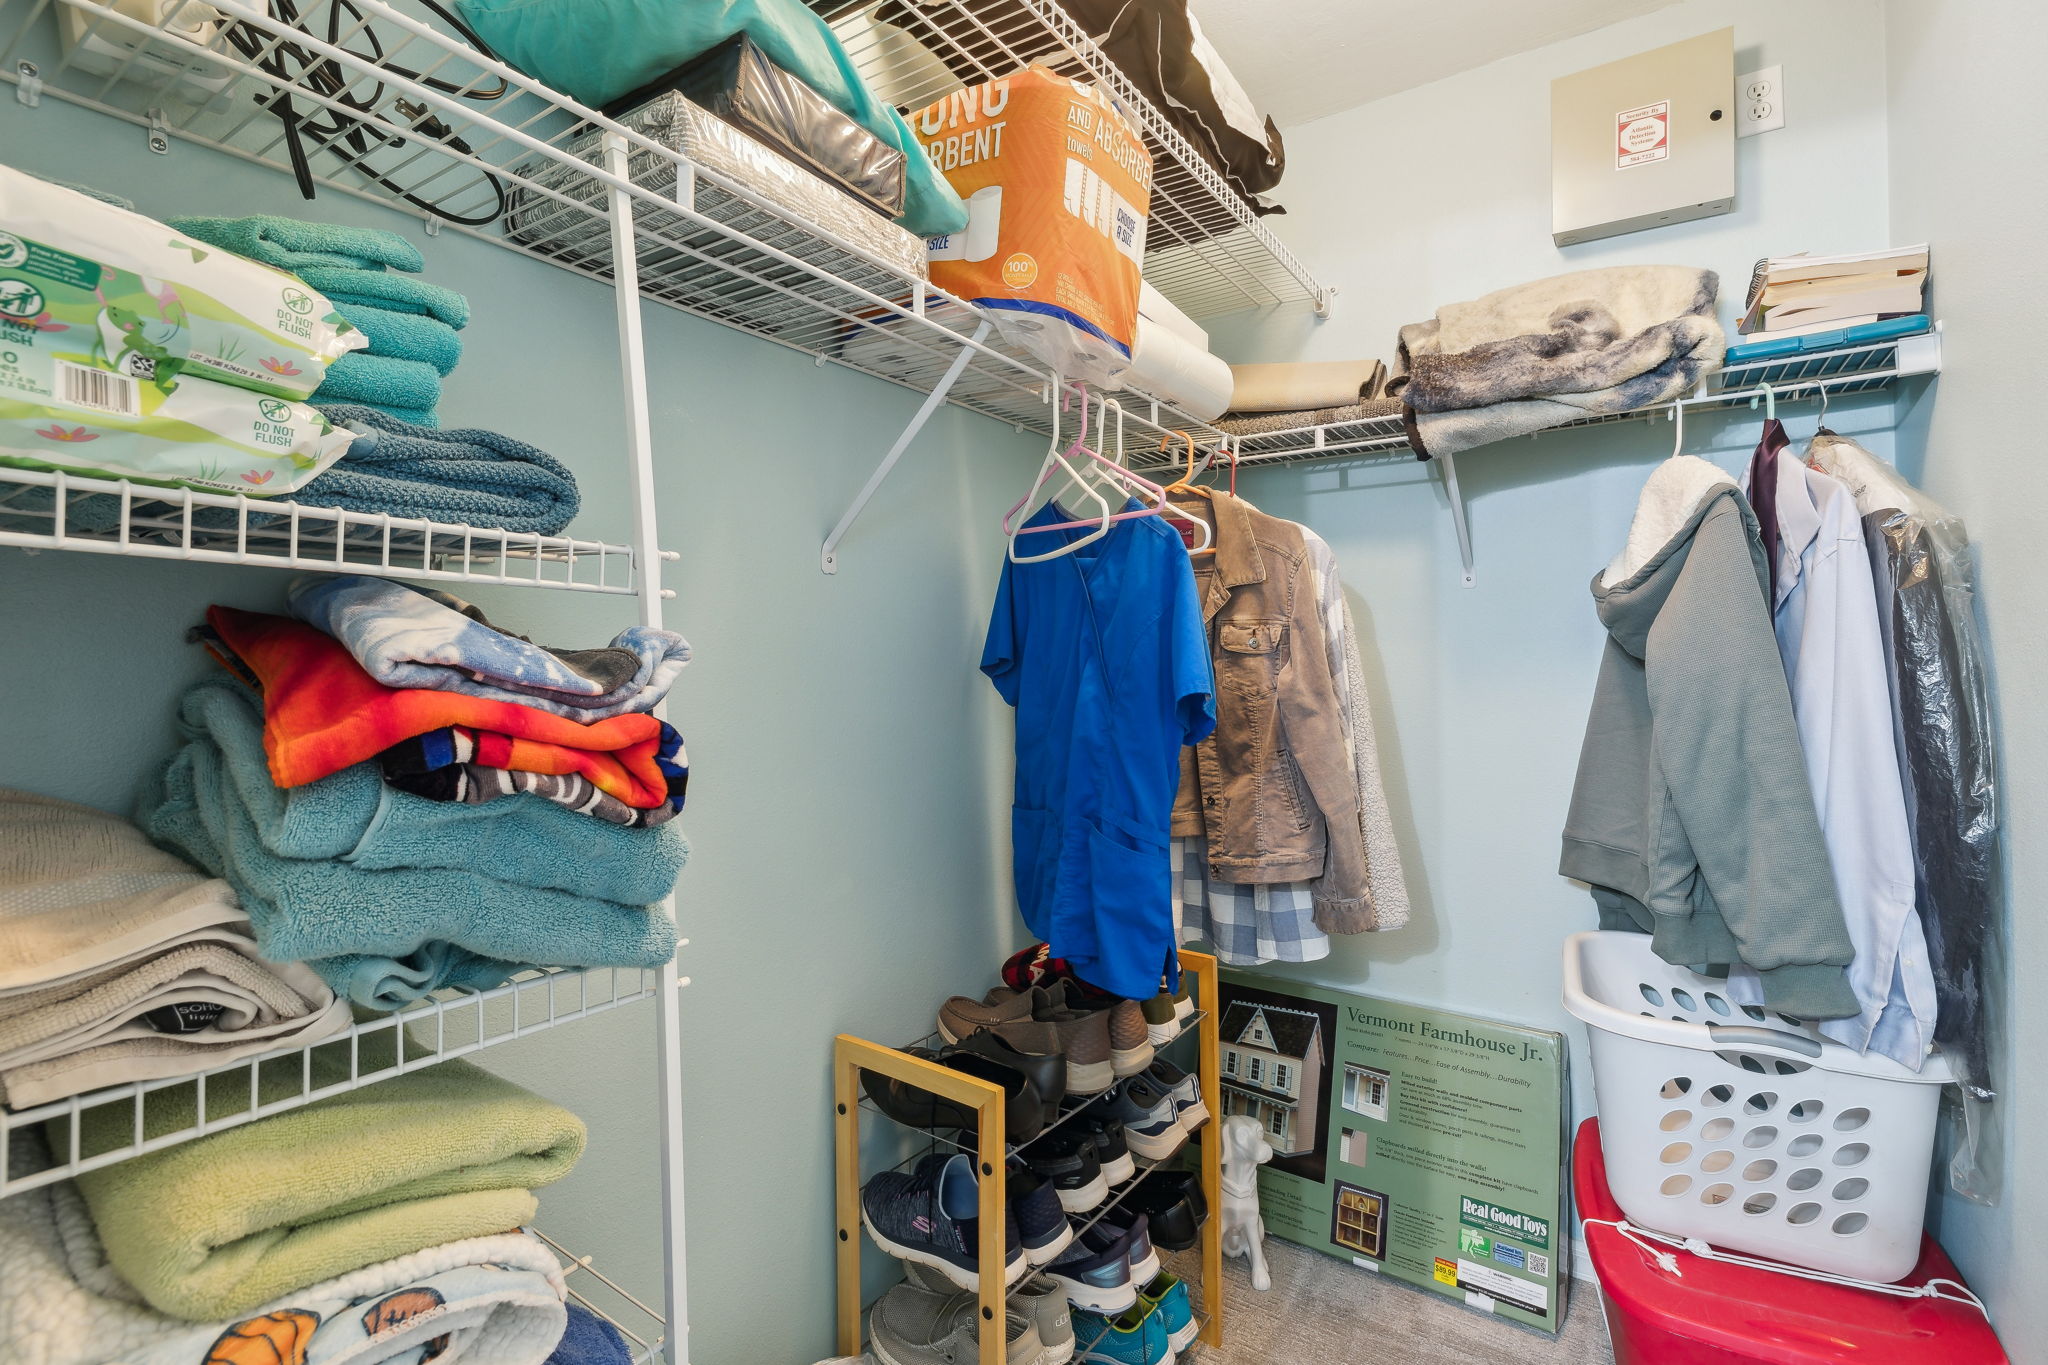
x,y
322,712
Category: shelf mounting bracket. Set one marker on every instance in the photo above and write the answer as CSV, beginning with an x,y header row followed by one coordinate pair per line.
x,y
828,558
1448,465
28,84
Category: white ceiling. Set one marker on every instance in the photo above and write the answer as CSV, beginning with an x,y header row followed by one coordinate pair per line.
x,y
1302,59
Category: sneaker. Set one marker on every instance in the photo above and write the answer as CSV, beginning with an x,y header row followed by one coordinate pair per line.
x,y
1186,1090
1041,1219
930,1214
1011,1021
1136,1337
1162,1024
1174,1208
1037,1298
1065,1159
1095,1278
1112,1153
1167,1295
1119,1228
1151,1123
1130,1039
1045,1303
1083,1033
916,1325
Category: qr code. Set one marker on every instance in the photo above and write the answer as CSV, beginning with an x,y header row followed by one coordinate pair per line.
x,y
1539,1263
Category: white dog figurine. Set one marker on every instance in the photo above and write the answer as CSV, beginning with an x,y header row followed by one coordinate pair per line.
x,y
1245,1149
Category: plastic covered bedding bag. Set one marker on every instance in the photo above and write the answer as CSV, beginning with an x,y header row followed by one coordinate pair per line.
x,y
1948,752
86,285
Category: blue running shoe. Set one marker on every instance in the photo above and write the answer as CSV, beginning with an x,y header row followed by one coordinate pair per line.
x,y
931,1215
1137,1337
1167,1296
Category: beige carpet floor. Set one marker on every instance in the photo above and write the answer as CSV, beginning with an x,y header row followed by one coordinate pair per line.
x,y
1321,1311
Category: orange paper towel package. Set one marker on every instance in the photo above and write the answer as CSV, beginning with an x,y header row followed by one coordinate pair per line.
x,y
1057,182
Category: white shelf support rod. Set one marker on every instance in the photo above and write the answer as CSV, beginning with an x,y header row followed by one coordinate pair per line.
x,y
1449,466
647,572
828,558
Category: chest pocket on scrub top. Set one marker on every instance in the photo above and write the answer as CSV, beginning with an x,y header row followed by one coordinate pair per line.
x,y
1249,662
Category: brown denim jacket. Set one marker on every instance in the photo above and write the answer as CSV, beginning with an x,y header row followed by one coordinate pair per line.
x,y
1273,789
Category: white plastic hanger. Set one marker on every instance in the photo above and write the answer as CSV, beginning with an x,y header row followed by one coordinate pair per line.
x,y
1678,432
1091,474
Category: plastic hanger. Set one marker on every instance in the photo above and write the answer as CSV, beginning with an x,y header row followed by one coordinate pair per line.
x,y
1186,484
1770,396
1094,475
1678,434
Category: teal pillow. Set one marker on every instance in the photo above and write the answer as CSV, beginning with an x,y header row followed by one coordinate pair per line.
x,y
598,50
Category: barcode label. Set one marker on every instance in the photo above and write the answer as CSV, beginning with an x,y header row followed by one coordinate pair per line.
x,y
81,386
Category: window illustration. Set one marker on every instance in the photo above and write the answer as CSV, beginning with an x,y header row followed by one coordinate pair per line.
x,y
1230,1061
1359,1220
1352,1148
1280,1075
1365,1091
1258,1065
1277,1121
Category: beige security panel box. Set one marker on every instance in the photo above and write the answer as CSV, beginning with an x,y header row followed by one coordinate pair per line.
x,y
1644,141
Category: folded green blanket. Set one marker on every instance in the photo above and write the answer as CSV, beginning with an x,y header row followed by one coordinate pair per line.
x,y
217,1226
292,245
380,381
383,289
405,336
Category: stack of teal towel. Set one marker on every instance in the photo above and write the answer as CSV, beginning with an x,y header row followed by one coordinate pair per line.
x,y
368,275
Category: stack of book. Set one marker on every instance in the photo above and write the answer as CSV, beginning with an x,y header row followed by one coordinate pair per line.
x,y
1799,295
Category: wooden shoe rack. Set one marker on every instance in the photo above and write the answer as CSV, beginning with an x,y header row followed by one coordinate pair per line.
x,y
851,1056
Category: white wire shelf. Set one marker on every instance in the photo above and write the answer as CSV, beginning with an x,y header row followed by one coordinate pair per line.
x,y
705,244
644,1330
1847,370
1205,249
453,1023
58,511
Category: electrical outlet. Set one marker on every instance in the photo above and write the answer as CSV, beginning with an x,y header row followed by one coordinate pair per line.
x,y
1760,101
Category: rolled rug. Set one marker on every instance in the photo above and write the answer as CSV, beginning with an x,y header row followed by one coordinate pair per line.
x,y
412,637
222,1225
496,1299
1303,385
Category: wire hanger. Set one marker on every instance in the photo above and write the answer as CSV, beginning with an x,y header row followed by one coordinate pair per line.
x,y
1821,425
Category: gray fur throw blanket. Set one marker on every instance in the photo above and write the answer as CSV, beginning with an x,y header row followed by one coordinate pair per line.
x,y
1552,351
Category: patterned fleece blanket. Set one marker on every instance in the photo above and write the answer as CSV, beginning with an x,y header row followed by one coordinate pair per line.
x,y
323,712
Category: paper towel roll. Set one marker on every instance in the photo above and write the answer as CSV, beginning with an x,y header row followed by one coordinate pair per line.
x,y
1173,369
1156,306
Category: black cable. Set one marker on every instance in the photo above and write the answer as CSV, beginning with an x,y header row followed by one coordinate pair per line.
x,y
351,138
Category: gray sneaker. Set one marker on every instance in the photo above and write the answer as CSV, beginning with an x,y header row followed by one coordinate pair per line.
x,y
1083,1034
1039,1298
1186,1090
1152,1126
917,1326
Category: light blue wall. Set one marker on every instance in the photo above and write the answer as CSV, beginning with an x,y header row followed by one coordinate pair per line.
x,y
847,782
1969,173
1443,193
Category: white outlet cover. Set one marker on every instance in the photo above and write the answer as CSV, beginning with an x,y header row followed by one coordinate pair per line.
x,y
1760,101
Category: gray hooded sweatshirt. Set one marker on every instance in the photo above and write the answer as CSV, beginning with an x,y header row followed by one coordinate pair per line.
x,y
1692,819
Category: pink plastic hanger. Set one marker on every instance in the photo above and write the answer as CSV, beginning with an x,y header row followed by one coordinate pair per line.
x,y
1120,479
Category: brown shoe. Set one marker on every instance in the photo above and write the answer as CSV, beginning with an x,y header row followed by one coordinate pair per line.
x,y
1083,1034
961,1017
1130,1039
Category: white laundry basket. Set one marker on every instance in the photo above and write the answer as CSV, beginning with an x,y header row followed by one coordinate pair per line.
x,y
1744,1127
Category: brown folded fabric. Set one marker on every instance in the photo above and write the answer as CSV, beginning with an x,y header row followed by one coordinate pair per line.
x,y
1259,423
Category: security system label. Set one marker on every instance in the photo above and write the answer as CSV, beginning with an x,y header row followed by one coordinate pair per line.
x,y
1642,135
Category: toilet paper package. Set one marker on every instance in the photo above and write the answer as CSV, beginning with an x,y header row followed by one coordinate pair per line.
x,y
101,286
1058,184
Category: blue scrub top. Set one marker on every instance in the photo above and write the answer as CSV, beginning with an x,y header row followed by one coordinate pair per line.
x,y
1104,655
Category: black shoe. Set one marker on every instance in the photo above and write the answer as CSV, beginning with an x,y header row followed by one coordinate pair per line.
x,y
1112,1153
1174,1204
1024,1113
1066,1160
1048,1074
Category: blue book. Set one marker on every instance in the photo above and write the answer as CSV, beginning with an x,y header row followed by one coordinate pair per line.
x,y
1835,340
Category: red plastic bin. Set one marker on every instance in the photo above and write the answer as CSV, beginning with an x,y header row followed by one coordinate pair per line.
x,y
1719,1314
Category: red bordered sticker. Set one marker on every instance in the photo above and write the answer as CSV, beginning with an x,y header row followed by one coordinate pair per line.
x,y
1642,135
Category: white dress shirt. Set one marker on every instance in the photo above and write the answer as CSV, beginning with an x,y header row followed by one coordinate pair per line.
x,y
1831,641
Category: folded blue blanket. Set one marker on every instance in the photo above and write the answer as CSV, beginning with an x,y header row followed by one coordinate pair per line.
x,y
590,1340
405,336
381,381
331,872
410,637
290,244
463,475
382,289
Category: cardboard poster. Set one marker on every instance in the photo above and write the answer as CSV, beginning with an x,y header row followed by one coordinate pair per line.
x,y
1423,1145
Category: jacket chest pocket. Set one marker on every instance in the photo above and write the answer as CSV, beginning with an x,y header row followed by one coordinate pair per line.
x,y
1248,654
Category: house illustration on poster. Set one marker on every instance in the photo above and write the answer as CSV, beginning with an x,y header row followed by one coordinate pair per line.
x,y
1272,1060
1365,1090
